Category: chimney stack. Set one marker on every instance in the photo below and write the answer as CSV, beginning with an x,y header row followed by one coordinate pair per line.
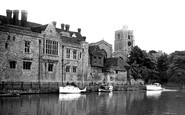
x,y
24,18
62,26
54,23
79,30
67,27
8,16
15,17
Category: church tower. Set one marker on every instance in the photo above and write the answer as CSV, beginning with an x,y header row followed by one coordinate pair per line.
x,y
123,43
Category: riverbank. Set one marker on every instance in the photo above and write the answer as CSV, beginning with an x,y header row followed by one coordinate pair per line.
x,y
171,85
36,88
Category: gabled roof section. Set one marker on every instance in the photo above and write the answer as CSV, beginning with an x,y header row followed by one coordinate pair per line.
x,y
95,50
116,64
78,35
39,29
102,42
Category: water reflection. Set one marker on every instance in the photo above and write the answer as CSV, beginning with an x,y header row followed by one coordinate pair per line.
x,y
153,94
69,97
117,103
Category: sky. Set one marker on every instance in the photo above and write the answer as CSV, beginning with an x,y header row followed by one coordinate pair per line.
x,y
157,24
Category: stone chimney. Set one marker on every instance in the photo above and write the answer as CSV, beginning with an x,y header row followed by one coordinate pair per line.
x,y
62,26
54,23
8,16
84,37
15,17
24,18
67,27
79,30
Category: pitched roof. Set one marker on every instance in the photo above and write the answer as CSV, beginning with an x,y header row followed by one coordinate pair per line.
x,y
78,35
101,42
95,50
39,29
116,64
70,40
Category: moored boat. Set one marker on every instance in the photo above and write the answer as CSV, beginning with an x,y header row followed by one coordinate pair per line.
x,y
10,95
71,89
154,87
105,88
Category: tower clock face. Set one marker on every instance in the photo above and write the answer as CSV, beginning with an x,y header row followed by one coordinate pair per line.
x,y
129,43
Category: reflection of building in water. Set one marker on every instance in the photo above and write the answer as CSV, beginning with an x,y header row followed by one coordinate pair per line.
x,y
30,105
153,94
72,104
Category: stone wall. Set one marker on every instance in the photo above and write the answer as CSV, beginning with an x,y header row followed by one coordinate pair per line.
x,y
12,46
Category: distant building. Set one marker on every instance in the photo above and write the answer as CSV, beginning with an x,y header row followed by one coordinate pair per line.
x,y
123,43
105,47
111,69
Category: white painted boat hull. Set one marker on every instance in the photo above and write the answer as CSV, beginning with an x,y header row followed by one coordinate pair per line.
x,y
153,88
70,90
110,89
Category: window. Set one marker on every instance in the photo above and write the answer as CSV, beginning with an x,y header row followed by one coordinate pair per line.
x,y
13,64
118,36
50,67
100,60
27,46
67,68
95,59
26,65
8,37
128,36
67,53
51,47
6,45
74,69
74,54
129,43
80,55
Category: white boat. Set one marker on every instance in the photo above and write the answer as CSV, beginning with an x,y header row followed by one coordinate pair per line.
x,y
106,88
154,87
70,89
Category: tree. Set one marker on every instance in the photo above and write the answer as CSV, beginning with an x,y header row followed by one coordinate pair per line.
x,y
162,67
176,67
143,65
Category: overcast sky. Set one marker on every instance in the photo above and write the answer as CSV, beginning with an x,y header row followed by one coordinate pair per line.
x,y
157,24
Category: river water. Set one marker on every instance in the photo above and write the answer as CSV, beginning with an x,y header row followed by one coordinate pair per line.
x,y
167,102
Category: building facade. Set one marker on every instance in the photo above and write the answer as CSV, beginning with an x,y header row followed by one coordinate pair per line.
x,y
32,52
112,69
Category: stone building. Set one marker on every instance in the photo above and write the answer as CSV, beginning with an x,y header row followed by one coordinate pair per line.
x,y
105,47
123,43
32,52
19,48
111,69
